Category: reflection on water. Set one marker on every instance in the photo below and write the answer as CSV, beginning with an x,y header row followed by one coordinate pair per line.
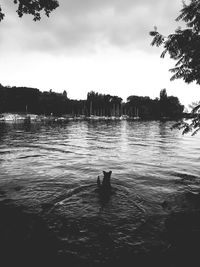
x,y
52,170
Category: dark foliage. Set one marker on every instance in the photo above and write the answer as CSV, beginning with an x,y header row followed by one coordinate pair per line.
x,y
103,105
190,126
31,100
33,7
17,99
165,107
183,46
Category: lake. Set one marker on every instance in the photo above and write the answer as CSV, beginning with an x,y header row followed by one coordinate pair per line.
x,y
50,171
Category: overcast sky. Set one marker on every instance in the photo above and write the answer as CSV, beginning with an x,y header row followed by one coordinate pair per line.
x,y
100,45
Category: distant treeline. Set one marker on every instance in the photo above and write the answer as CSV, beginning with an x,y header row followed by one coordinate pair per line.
x,y
31,100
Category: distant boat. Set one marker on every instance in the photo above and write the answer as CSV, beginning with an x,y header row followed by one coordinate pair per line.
x,y
60,119
124,117
136,118
33,117
17,118
2,119
13,118
9,118
93,117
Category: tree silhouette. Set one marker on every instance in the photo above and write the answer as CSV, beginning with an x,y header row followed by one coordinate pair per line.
x,y
183,46
31,100
33,7
169,105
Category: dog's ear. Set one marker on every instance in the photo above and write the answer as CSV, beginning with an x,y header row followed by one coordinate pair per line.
x,y
110,172
104,173
98,182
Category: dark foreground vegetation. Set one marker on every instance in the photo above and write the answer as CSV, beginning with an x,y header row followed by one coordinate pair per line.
x,y
27,240
23,100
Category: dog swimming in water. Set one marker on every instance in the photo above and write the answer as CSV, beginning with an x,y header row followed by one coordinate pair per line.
x,y
105,186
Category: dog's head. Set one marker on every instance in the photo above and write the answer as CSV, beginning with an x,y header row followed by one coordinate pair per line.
x,y
107,176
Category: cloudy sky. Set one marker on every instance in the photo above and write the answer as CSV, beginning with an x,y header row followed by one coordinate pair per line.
x,y
100,45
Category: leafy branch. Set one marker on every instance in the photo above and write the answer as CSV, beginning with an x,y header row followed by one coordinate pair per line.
x,y
190,125
33,7
183,46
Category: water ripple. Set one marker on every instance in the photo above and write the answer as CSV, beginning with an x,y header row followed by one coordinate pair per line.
x,y
53,170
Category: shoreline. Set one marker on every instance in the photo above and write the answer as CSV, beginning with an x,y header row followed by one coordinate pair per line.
x,y
33,118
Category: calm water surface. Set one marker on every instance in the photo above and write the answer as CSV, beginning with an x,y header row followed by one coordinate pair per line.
x,y
52,170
